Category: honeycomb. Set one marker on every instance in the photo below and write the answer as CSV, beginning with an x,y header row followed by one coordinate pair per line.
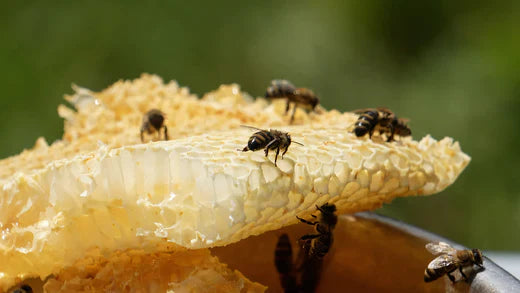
x,y
136,271
100,187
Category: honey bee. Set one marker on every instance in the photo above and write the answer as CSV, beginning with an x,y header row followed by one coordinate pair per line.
x,y
23,289
319,244
283,260
383,120
302,97
449,260
269,140
153,121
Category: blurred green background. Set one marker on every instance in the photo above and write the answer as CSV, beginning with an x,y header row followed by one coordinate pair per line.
x,y
452,67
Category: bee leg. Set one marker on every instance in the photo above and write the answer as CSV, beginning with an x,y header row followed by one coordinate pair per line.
x,y
309,236
269,146
284,151
287,107
142,136
462,273
165,132
313,216
306,222
276,156
370,133
292,115
451,277
392,131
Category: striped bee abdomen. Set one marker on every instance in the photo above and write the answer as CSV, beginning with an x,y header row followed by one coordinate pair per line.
x,y
283,255
366,123
433,273
429,275
258,140
283,261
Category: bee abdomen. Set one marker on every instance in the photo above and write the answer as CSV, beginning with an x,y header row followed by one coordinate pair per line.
x,y
365,123
283,255
362,128
259,140
431,275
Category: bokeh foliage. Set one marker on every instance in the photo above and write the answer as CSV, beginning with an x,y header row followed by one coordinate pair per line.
x,y
452,67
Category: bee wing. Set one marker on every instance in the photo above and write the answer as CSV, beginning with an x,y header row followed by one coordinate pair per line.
x,y
441,261
303,91
387,113
361,111
251,127
384,109
380,109
285,82
439,248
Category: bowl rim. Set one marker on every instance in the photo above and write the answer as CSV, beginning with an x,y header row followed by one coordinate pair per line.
x,y
491,279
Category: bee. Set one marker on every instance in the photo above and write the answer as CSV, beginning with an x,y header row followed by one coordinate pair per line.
x,y
450,259
153,121
302,97
319,244
23,289
283,260
383,120
269,140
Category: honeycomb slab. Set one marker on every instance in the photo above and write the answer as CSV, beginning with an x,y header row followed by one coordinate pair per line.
x,y
100,187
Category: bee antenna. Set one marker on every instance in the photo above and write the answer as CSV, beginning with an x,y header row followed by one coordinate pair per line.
x,y
250,127
298,143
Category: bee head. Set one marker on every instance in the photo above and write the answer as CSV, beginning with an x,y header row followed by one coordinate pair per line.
x,y
156,118
477,255
405,131
315,102
327,208
24,289
312,99
402,129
